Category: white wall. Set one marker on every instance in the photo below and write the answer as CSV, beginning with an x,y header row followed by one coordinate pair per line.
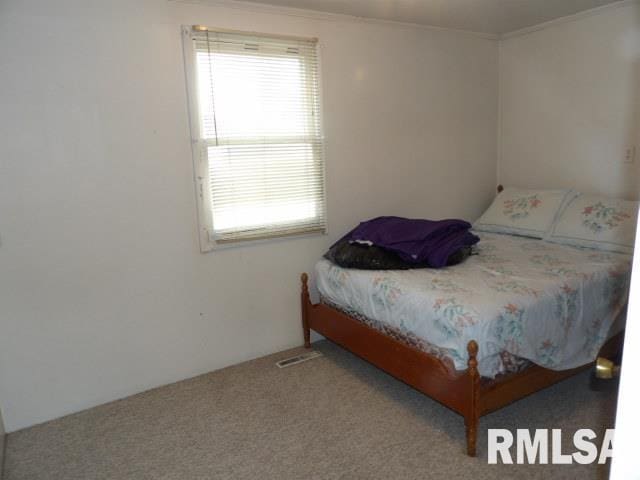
x,y
103,290
570,104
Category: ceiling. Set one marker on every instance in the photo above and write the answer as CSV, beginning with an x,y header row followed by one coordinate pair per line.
x,y
486,16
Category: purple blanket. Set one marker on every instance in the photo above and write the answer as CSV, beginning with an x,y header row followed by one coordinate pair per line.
x,y
415,241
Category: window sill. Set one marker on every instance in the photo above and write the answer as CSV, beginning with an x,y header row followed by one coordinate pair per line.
x,y
210,244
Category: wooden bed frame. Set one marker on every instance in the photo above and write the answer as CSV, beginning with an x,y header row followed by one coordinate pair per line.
x,y
463,392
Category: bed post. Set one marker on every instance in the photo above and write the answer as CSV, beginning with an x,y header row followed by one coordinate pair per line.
x,y
471,418
305,301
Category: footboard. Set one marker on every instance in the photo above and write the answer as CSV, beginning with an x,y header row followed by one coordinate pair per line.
x,y
426,373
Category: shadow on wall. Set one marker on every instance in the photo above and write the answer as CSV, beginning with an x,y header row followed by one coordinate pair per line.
x,y
636,119
631,45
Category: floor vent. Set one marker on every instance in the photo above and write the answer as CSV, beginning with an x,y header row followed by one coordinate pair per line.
x,y
287,362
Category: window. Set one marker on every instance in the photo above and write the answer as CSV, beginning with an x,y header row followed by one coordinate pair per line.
x,y
257,141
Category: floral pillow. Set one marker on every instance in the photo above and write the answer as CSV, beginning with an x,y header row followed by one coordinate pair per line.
x,y
597,222
525,212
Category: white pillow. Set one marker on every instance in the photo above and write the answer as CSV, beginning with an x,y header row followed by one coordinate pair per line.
x,y
597,222
526,212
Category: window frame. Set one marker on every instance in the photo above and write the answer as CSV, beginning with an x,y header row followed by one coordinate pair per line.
x,y
206,236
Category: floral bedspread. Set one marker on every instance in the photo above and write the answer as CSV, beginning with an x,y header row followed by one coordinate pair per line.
x,y
551,304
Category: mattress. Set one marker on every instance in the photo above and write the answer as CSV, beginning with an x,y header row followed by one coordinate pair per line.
x,y
518,298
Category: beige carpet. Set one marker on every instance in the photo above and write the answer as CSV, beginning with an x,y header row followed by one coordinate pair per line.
x,y
332,417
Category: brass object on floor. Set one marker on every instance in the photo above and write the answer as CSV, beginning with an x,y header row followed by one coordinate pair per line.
x,y
606,369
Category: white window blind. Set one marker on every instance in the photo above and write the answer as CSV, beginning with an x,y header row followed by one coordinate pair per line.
x,y
258,140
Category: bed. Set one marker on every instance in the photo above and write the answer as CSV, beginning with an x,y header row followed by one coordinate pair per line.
x,y
516,317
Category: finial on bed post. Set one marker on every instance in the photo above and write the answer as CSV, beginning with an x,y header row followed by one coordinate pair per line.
x,y
472,348
500,188
471,419
305,302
